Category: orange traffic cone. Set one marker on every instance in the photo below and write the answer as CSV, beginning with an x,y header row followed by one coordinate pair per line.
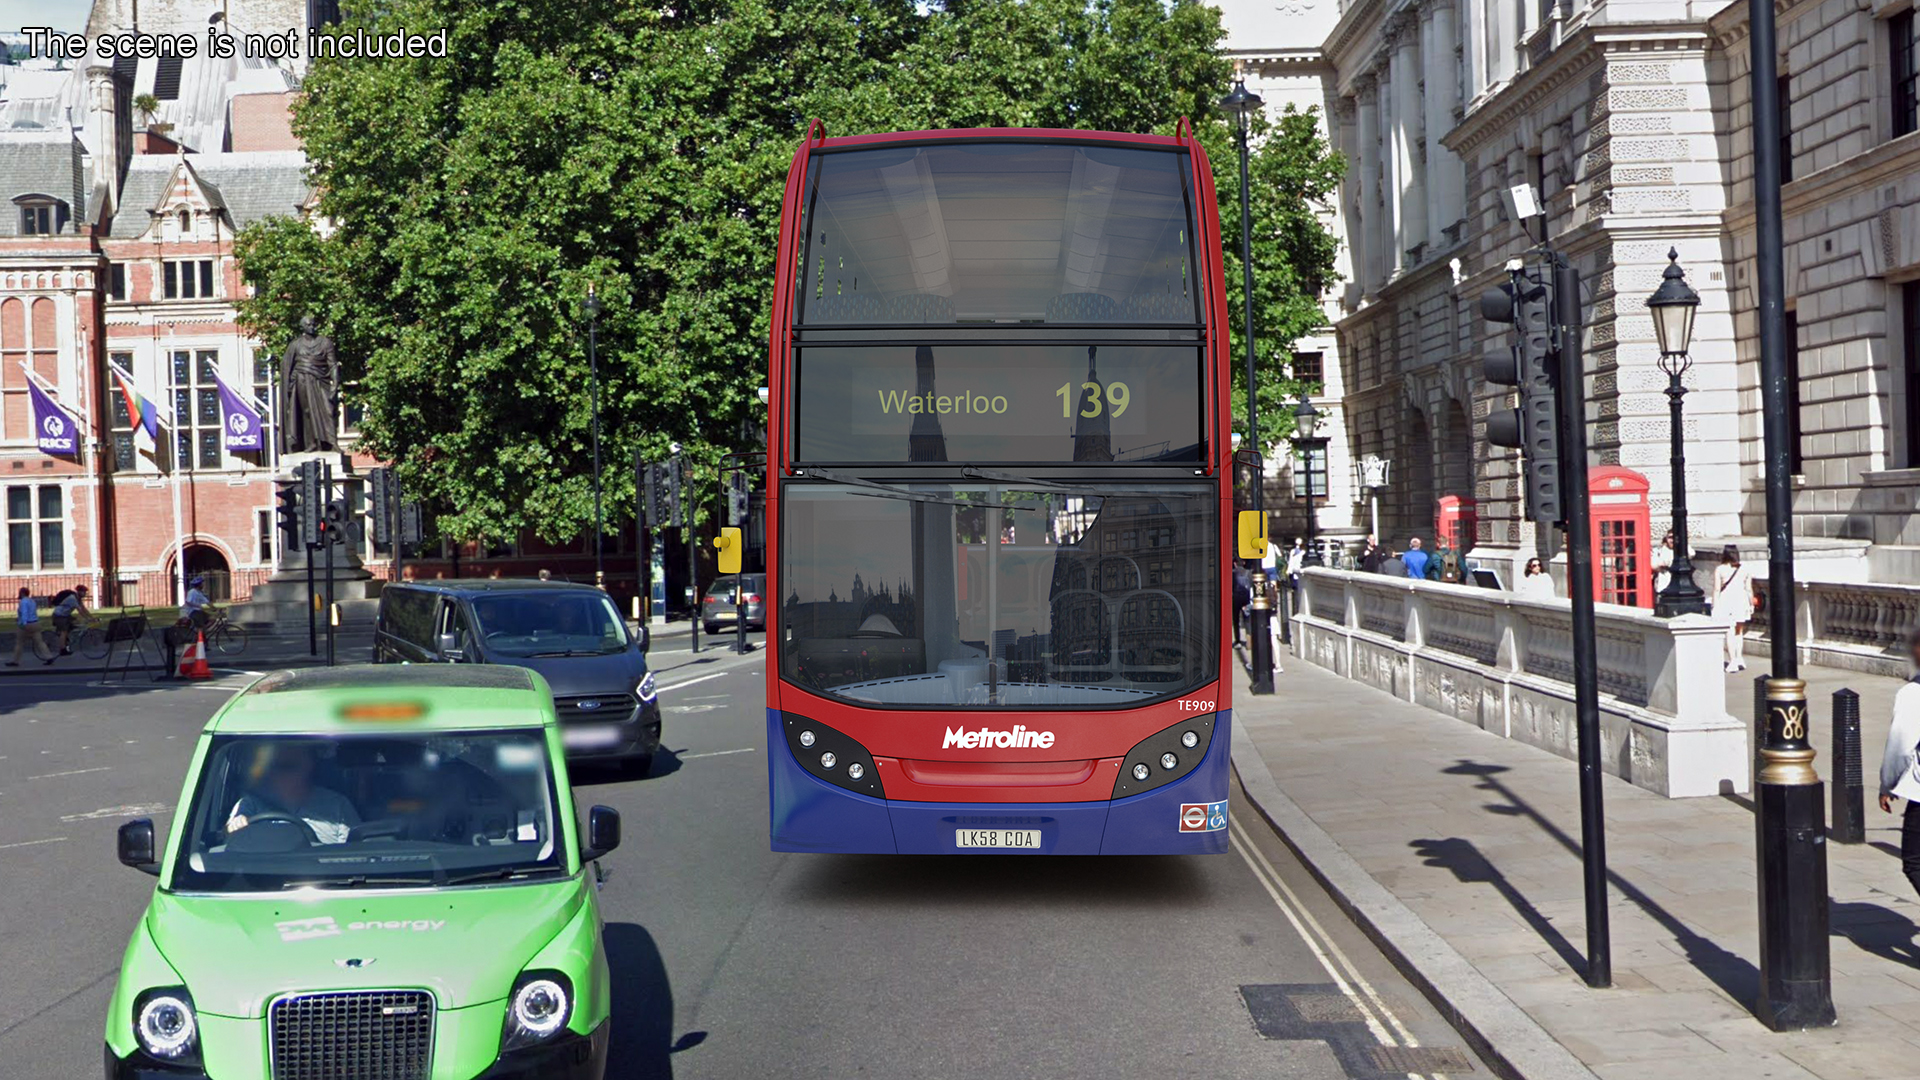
x,y
193,663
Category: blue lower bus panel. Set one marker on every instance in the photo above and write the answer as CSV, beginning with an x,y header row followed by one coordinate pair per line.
x,y
1188,816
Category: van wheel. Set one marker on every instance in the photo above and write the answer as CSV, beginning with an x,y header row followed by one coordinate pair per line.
x,y
637,767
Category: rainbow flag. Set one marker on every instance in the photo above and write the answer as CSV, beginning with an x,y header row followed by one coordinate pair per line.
x,y
139,409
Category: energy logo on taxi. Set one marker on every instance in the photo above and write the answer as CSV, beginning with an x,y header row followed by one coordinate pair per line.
x,y
1203,817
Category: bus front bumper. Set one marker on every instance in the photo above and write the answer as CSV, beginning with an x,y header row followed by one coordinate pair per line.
x,y
1186,817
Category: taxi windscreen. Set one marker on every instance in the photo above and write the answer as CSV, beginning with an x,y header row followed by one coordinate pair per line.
x,y
378,810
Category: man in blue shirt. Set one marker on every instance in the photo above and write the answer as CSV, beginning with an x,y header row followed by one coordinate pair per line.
x,y
29,625
1415,559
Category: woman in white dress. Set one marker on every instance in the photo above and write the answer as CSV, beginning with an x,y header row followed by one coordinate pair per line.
x,y
1535,582
1733,600
1663,564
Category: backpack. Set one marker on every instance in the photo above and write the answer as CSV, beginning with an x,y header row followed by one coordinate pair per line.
x,y
61,597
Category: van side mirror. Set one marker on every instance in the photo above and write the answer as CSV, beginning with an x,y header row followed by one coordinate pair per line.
x,y
136,846
450,647
645,637
603,832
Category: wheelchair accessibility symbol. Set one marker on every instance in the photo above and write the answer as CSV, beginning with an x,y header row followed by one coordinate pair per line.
x,y
1203,817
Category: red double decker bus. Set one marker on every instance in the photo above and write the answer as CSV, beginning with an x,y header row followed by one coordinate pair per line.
x,y
998,499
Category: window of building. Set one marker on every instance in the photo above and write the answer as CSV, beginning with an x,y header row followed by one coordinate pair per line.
x,y
1310,471
124,458
1783,98
196,407
263,536
1905,77
117,281
1792,335
36,531
42,217
1910,343
187,279
166,78
1310,367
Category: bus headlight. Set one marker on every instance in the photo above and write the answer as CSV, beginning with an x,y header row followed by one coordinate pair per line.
x,y
856,770
538,1010
1141,772
644,689
164,1025
828,760
1169,761
1189,739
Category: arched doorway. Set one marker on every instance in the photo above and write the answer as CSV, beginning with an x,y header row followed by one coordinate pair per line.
x,y
1418,491
207,561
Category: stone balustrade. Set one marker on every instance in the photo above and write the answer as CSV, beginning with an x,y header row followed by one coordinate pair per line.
x,y
1856,626
1505,664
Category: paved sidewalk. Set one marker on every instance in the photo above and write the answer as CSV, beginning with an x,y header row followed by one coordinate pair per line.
x,y
1479,837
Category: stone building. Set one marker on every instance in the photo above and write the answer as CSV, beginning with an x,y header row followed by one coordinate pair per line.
x,y
1630,120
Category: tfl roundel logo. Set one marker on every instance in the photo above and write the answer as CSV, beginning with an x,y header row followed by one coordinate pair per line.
x,y
1203,817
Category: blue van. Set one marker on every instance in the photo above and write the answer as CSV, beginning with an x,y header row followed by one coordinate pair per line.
x,y
570,633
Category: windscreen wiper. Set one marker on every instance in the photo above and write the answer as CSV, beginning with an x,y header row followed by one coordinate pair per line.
x,y
878,490
995,476
501,873
357,881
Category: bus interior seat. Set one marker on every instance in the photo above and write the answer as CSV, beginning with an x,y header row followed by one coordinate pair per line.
x,y
1158,308
1082,307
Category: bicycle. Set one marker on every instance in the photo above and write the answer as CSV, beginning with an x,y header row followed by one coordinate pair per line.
x,y
224,636
91,641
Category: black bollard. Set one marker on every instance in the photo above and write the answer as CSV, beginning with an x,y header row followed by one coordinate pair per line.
x,y
1849,785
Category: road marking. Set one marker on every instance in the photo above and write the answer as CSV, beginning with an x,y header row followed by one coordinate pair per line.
x,y
135,810
1345,974
717,753
70,772
690,682
31,843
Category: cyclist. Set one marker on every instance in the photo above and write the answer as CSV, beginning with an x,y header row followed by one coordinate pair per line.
x,y
198,610
29,625
69,605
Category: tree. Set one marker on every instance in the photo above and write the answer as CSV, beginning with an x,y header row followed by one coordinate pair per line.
x,y
473,199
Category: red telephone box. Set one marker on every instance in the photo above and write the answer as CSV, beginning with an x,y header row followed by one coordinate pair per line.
x,y
1457,525
1622,571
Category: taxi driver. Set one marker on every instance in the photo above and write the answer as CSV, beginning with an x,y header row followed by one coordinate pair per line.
x,y
288,790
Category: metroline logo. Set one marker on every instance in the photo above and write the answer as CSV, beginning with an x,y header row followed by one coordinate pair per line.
x,y
988,739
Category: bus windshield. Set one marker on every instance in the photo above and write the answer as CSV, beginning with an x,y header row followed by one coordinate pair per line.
x,y
999,232
981,595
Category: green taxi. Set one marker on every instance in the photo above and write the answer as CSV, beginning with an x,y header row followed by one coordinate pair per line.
x,y
373,872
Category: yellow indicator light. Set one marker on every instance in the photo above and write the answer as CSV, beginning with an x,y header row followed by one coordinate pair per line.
x,y
384,710
1252,534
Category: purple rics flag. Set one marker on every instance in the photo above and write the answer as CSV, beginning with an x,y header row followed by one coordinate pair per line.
x,y
239,419
53,426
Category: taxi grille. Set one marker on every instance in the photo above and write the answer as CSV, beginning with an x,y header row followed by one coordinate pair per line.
x,y
374,1035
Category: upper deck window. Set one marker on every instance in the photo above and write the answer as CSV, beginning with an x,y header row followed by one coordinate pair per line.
x,y
999,232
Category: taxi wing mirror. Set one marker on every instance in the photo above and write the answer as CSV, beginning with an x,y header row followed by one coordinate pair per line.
x,y
136,846
603,832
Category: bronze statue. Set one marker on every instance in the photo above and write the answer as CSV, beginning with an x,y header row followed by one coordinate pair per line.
x,y
310,381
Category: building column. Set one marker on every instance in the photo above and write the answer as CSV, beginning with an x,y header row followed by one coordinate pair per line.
x,y
1404,70
1446,180
1367,124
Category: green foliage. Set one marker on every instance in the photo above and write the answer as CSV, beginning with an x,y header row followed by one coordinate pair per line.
x,y
643,151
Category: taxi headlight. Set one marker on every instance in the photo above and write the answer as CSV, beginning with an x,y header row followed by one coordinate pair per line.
x,y
644,689
541,1003
163,1023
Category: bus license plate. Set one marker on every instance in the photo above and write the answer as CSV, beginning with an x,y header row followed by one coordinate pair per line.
x,y
589,736
997,838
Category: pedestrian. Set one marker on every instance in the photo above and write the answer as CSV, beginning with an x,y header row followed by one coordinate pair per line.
x,y
1535,582
1899,769
68,605
1242,596
1415,560
1296,562
1733,600
1393,565
1662,563
28,624
546,575
1372,556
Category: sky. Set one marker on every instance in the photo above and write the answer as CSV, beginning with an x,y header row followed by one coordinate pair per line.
x,y
66,15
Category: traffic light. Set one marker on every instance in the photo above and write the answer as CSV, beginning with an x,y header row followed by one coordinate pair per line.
x,y
336,522
731,547
286,497
380,503
1529,365
311,500
738,498
661,481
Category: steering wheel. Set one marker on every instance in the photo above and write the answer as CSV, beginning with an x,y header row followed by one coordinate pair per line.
x,y
275,817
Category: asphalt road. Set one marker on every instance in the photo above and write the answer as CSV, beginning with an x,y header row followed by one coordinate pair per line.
x,y
732,961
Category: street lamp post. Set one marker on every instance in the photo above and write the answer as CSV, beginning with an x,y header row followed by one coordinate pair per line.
x,y
592,308
1242,103
1796,975
1673,305
1306,419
